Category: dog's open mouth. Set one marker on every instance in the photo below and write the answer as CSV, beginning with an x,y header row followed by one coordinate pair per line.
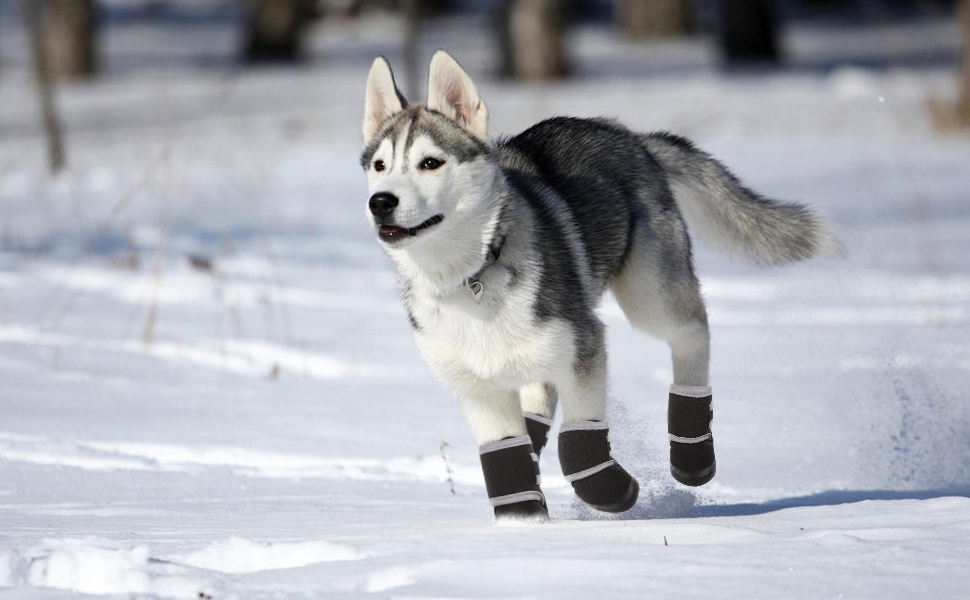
x,y
393,233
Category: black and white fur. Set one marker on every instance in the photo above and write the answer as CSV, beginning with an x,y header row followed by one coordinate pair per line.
x,y
506,247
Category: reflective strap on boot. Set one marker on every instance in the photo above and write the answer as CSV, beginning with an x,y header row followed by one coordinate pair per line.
x,y
590,471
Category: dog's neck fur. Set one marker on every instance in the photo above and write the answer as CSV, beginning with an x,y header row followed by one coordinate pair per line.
x,y
441,265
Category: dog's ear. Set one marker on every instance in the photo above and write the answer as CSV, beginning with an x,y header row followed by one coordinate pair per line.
x,y
452,93
383,98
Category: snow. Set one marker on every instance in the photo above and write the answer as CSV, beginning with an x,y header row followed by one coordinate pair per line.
x,y
88,567
238,555
263,427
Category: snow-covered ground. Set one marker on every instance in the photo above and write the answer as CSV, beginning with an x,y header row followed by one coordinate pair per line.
x,y
207,386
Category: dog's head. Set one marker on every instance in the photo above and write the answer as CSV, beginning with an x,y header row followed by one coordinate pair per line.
x,y
427,166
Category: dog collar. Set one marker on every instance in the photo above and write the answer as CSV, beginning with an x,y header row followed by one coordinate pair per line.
x,y
474,283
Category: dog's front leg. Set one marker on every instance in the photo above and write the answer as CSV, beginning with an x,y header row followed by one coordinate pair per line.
x,y
584,446
510,465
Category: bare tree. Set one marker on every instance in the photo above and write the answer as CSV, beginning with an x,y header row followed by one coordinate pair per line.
x,y
412,12
963,105
45,85
749,31
949,114
531,39
274,29
654,18
69,37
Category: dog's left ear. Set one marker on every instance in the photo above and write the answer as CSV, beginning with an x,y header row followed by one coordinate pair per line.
x,y
383,98
452,93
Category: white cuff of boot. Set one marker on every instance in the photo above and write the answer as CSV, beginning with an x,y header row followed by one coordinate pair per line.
x,y
690,391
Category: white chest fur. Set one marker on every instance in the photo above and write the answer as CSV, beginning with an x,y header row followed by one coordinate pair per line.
x,y
496,340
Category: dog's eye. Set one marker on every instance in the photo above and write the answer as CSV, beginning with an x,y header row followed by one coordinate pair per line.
x,y
430,164
378,165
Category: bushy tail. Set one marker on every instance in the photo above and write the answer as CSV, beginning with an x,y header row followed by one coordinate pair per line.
x,y
737,220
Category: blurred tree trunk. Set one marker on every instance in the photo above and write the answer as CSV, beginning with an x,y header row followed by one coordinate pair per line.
x,y
411,10
654,18
69,37
531,39
29,10
749,31
963,106
274,29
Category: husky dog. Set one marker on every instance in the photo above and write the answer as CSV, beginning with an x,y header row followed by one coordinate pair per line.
x,y
506,247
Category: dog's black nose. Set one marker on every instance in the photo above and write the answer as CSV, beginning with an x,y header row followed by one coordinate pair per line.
x,y
382,204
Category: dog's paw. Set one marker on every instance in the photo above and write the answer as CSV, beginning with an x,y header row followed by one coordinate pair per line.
x,y
612,490
690,413
512,479
693,464
596,477
531,511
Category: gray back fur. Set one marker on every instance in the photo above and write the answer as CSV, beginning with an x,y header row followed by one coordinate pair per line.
x,y
604,179
599,177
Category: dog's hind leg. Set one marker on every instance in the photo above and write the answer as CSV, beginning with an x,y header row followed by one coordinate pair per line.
x,y
659,294
584,446
509,463
539,407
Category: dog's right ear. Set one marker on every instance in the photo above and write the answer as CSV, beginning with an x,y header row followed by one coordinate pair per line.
x,y
383,98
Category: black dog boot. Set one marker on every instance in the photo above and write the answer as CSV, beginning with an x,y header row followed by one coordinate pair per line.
x,y
690,412
538,428
512,479
584,453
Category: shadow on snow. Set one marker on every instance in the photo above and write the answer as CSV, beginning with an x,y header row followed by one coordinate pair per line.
x,y
682,503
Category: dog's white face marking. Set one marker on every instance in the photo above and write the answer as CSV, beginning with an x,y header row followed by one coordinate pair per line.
x,y
434,210
413,175
430,185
